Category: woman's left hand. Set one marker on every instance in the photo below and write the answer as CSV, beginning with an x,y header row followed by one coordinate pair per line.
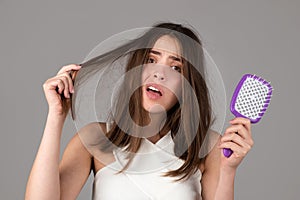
x,y
238,138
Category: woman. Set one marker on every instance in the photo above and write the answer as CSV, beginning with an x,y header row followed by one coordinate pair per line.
x,y
170,67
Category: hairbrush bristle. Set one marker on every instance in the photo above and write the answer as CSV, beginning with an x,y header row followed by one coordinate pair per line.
x,y
251,97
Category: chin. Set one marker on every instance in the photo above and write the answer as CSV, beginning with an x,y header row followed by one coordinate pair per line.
x,y
155,108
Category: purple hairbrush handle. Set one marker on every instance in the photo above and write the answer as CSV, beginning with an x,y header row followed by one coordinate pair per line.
x,y
227,152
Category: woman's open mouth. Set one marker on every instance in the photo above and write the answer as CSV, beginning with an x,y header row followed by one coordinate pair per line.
x,y
154,91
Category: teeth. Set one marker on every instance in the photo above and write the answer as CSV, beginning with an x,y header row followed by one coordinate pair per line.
x,y
153,88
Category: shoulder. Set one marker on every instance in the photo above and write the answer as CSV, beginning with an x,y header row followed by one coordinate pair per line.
x,y
76,148
93,128
94,141
74,168
82,139
92,133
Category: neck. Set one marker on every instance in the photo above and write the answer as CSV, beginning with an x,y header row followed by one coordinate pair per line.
x,y
157,126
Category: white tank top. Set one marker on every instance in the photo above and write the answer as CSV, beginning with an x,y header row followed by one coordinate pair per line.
x,y
143,179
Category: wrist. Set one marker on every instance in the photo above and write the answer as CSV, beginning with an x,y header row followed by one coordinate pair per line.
x,y
228,170
57,113
54,124
225,188
56,118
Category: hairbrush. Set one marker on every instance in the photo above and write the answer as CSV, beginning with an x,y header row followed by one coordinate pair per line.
x,y
250,100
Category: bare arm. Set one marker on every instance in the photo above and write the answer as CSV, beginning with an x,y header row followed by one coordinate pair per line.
x,y
217,183
43,182
219,171
45,178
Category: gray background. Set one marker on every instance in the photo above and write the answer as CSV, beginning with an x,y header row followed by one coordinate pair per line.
x,y
257,36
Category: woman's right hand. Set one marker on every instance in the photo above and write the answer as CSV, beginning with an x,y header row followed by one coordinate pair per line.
x,y
58,89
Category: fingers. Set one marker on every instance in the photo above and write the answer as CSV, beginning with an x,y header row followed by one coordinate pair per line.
x,y
237,144
64,76
238,137
240,120
59,88
65,85
242,126
62,82
68,68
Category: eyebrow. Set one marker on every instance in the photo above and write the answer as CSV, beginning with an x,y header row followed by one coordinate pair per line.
x,y
172,57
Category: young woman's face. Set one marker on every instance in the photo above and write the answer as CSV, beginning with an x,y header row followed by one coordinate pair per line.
x,y
161,77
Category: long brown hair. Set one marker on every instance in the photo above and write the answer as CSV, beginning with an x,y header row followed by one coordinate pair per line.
x,y
187,131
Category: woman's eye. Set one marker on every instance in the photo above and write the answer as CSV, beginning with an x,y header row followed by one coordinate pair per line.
x,y
151,60
176,68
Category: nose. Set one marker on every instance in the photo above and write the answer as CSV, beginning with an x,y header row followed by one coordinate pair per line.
x,y
159,76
